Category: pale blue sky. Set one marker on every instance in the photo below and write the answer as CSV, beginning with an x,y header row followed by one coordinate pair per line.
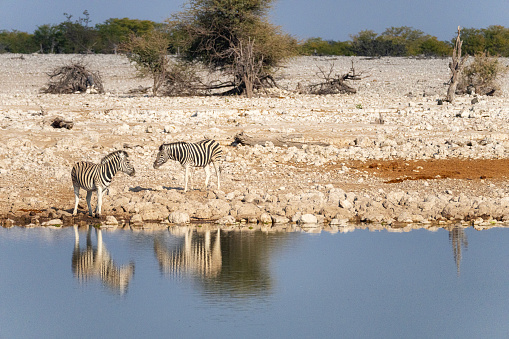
x,y
329,19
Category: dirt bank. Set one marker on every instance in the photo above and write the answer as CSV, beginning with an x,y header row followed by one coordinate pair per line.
x,y
426,163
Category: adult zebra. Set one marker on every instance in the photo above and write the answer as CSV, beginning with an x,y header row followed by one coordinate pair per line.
x,y
97,177
199,154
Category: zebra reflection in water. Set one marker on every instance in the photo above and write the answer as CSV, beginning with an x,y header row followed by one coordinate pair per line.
x,y
197,255
96,262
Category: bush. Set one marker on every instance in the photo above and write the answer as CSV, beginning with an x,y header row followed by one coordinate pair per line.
x,y
73,78
481,75
181,80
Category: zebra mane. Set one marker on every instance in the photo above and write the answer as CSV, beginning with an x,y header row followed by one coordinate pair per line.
x,y
112,155
168,145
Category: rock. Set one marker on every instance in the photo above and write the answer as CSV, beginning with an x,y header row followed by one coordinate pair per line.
x,y
344,203
337,221
203,213
111,221
178,218
265,218
247,211
52,222
279,219
154,212
136,219
226,220
307,219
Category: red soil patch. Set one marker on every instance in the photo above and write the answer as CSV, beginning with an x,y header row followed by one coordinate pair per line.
x,y
395,171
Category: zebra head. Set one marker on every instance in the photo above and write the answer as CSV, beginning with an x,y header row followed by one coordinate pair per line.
x,y
121,159
163,155
125,164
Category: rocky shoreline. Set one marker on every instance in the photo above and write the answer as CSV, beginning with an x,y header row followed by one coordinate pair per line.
x,y
336,173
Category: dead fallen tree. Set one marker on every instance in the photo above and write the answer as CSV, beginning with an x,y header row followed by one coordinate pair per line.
x,y
332,83
278,141
73,78
58,122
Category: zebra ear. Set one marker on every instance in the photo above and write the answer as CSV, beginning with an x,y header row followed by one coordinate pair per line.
x,y
161,148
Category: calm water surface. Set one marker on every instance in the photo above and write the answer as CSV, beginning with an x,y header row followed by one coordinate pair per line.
x,y
205,283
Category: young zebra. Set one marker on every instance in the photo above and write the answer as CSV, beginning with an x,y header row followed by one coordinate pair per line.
x,y
199,154
97,177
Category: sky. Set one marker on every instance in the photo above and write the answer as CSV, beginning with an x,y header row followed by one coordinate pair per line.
x,y
328,19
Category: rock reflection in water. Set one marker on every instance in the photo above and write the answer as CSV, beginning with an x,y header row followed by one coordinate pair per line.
x,y
223,262
96,262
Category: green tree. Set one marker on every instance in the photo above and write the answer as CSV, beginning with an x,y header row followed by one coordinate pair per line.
x,y
497,40
405,36
148,52
76,36
474,40
115,31
46,37
364,43
17,42
431,46
317,46
234,37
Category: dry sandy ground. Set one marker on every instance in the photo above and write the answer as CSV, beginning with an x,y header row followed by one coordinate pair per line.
x,y
403,91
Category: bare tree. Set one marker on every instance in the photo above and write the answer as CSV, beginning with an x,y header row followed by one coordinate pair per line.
x,y
73,78
456,67
333,83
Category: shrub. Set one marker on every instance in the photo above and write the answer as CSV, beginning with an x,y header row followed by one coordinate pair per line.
x,y
481,75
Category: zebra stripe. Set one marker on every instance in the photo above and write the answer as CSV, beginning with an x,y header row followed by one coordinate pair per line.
x,y
97,177
199,154
95,261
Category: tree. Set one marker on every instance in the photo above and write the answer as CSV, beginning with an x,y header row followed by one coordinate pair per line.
x,y
233,37
77,36
431,46
16,42
497,40
148,52
456,67
318,46
46,37
480,76
473,41
115,31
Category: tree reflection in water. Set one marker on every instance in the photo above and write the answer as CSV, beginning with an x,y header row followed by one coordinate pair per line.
x,y
93,262
458,239
232,263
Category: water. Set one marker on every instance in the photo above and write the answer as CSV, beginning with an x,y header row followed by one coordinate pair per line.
x,y
201,283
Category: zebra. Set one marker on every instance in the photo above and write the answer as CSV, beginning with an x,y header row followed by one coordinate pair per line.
x,y
96,261
188,154
97,177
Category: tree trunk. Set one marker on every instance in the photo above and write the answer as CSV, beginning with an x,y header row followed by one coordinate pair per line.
x,y
279,141
456,67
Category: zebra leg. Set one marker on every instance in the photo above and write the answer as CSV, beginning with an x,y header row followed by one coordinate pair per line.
x,y
89,197
186,177
216,168
99,202
76,199
207,175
